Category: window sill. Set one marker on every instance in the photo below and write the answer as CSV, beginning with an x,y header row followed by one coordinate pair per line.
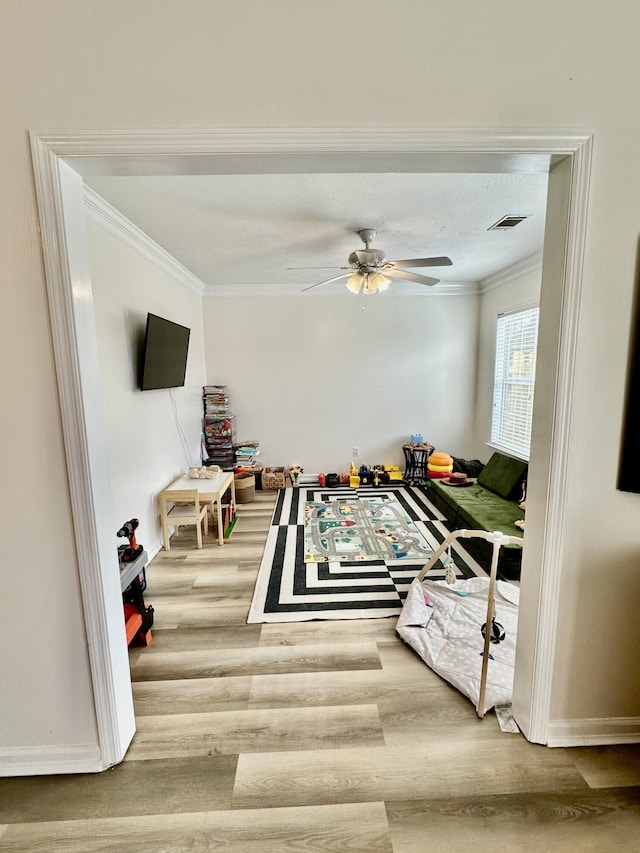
x,y
507,451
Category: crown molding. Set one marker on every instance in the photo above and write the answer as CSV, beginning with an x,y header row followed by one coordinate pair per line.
x,y
528,265
123,229
269,291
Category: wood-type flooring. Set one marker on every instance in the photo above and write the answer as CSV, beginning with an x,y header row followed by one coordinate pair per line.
x,y
314,736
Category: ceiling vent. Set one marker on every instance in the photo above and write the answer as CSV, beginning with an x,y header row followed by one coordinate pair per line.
x,y
508,222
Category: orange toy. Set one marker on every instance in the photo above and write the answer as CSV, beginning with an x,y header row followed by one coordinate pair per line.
x,y
440,465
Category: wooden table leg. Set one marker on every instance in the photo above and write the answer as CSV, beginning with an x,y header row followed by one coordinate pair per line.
x,y
165,523
220,522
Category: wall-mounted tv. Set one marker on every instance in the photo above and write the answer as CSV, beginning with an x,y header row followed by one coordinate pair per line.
x,y
164,358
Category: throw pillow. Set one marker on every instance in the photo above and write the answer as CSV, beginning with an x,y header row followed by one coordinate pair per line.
x,y
502,475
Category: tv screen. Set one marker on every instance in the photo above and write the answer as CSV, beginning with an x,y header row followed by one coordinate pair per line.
x,y
164,360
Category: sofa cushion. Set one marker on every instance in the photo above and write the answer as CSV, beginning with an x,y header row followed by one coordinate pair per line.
x,y
502,475
476,508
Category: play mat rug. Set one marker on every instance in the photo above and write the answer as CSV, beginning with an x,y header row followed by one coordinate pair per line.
x,y
361,530
290,589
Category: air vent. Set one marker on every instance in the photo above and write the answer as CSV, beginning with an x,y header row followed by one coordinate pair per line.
x,y
508,222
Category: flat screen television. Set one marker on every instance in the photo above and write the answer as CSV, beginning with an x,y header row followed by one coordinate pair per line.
x,y
164,358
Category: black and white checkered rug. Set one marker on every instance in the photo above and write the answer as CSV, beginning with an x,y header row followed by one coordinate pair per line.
x,y
290,590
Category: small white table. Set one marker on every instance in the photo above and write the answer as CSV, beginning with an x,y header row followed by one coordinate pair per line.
x,y
211,491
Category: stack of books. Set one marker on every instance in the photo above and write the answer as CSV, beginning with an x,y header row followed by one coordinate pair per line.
x,y
247,454
216,400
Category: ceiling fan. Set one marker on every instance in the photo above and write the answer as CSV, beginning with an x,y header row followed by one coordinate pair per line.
x,y
369,268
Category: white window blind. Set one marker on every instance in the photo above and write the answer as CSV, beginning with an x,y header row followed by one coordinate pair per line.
x,y
516,344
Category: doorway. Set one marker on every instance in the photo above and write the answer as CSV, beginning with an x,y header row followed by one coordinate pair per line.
x,y
60,164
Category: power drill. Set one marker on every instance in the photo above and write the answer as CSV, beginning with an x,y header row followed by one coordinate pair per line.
x,y
128,530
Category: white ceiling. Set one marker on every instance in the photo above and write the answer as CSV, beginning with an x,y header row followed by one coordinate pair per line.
x,y
240,233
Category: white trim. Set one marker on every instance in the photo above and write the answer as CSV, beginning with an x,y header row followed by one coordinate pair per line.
x,y
133,148
119,226
48,760
506,452
528,265
522,306
593,732
513,149
62,218
553,547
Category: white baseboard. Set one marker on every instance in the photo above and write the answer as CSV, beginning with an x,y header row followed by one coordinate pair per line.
x,y
593,732
155,548
50,760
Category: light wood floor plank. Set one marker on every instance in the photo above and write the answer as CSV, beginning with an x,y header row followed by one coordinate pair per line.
x,y
325,631
226,732
224,575
262,660
291,690
186,615
223,592
195,639
609,766
356,828
429,769
196,695
131,788
527,823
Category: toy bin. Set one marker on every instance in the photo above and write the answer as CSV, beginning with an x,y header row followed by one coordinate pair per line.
x,y
273,478
245,485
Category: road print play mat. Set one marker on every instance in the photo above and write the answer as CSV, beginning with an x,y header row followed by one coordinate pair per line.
x,y
360,530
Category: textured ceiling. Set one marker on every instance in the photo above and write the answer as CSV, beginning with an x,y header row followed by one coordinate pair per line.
x,y
241,233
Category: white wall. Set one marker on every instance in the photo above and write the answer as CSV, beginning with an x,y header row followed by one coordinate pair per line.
x,y
515,289
312,377
144,444
163,64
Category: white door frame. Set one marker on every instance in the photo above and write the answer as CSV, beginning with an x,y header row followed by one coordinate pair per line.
x,y
59,161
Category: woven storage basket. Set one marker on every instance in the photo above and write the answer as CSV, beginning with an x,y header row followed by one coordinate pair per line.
x,y
273,478
245,484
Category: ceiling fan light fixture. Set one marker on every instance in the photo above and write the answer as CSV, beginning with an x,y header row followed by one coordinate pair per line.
x,y
383,282
376,282
368,282
354,283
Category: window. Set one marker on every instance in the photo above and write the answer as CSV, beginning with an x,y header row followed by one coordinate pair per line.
x,y
516,343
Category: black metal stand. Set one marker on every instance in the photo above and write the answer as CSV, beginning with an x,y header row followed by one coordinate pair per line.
x,y
416,458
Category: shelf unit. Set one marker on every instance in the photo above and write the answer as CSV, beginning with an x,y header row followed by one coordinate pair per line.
x,y
218,427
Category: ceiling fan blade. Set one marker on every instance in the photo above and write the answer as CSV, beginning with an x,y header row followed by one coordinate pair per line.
x,y
317,268
413,276
326,281
424,262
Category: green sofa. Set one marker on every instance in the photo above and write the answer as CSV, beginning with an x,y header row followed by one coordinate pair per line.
x,y
491,503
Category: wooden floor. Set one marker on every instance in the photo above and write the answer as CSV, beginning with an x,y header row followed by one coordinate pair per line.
x,y
317,736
